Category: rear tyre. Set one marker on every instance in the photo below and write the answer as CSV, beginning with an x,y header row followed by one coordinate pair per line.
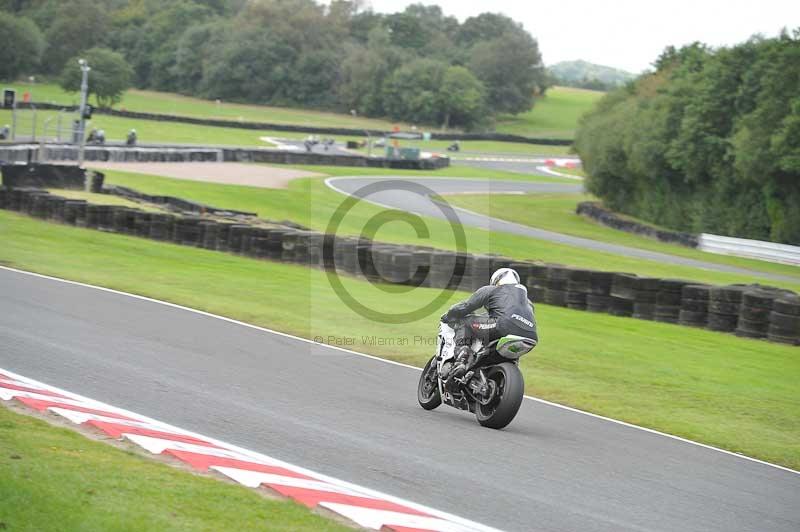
x,y
505,405
428,388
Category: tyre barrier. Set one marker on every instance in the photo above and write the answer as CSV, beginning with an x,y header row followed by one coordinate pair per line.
x,y
694,305
645,292
751,311
600,214
578,285
668,300
784,320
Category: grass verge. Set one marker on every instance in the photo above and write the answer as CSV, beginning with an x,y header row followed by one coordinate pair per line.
x,y
311,203
57,479
554,116
556,212
730,392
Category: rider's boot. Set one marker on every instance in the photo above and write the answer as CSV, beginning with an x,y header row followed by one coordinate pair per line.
x,y
463,355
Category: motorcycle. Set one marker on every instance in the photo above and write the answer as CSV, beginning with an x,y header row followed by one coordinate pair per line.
x,y
492,387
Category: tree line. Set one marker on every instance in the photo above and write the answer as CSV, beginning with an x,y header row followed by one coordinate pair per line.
x,y
418,65
708,142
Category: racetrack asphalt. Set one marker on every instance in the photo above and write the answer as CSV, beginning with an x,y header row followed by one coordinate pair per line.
x,y
389,195
357,418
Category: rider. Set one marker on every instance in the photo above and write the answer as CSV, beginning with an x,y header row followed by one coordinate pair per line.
x,y
508,312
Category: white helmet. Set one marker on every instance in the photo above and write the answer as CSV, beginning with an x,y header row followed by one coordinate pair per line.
x,y
504,276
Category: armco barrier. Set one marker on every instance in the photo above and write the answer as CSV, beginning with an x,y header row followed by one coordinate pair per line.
x,y
31,153
752,311
754,249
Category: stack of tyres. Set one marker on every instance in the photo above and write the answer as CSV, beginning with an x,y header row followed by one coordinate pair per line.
x,y
301,247
723,307
622,294
276,249
314,244
187,231
209,231
16,198
328,244
462,278
443,269
694,305
288,245
557,282
124,220
421,267
38,205
55,208
784,321
93,213
366,260
645,292
754,313
401,266
75,212
479,268
142,223
346,255
599,298
668,300
578,285
382,257
256,243
537,282
223,236
236,234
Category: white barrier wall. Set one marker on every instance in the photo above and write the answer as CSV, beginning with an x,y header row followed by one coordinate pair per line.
x,y
753,249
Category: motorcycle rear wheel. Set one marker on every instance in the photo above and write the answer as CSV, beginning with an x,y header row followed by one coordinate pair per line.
x,y
510,391
428,388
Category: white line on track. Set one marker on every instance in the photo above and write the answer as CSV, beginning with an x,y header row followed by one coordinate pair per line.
x,y
306,340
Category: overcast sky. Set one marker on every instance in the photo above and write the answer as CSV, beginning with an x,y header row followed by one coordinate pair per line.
x,y
626,34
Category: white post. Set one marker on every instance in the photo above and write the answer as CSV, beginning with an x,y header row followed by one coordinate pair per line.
x,y
82,127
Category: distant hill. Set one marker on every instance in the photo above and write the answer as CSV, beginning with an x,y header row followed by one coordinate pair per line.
x,y
589,75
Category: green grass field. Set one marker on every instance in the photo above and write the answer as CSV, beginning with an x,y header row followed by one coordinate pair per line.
x,y
311,203
556,212
554,116
57,479
722,390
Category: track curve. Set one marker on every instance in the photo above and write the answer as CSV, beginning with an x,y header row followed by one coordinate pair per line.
x,y
408,201
356,418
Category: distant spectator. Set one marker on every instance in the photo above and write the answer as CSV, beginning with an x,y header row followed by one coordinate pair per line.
x,y
92,137
101,136
5,133
131,140
76,131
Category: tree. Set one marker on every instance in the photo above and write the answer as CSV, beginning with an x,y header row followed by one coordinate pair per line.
x,y
110,76
412,93
78,25
511,68
21,46
461,98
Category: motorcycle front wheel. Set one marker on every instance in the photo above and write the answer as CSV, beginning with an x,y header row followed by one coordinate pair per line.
x,y
428,388
509,391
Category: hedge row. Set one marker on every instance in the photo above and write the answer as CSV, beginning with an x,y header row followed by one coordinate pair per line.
x,y
597,212
751,311
502,137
